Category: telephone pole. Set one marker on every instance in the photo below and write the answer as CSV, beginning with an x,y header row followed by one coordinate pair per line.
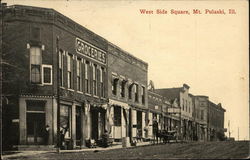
x,y
238,134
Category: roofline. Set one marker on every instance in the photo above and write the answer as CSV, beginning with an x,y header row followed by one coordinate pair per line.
x,y
117,47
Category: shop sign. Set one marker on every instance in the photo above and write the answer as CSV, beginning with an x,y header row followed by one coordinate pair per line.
x,y
90,51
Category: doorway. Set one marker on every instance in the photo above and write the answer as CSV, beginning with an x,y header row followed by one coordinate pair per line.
x,y
35,128
78,125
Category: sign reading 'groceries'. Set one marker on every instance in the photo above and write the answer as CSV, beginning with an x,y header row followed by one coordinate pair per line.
x,y
89,50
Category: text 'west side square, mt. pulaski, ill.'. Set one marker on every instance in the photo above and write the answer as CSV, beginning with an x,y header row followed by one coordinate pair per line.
x,y
188,12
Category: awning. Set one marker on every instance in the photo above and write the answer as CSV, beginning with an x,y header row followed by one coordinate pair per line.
x,y
118,103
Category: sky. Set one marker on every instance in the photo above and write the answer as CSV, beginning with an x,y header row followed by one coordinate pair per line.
x,y
209,52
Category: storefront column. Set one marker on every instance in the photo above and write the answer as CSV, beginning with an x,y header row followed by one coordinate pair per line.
x,y
73,115
49,120
134,123
143,124
150,124
22,122
123,124
54,122
83,122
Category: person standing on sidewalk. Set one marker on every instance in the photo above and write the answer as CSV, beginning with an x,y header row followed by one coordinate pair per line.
x,y
155,130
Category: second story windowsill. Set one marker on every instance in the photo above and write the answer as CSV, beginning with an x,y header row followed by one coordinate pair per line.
x,y
95,96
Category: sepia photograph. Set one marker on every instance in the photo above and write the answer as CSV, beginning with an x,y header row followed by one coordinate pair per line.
x,y
135,79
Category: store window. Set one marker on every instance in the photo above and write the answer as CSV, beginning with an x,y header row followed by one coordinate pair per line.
x,y
65,119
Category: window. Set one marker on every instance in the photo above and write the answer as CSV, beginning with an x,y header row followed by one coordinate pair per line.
x,y
143,95
87,90
94,79
117,116
61,68
202,115
101,81
79,74
70,74
123,84
114,86
186,105
136,93
189,107
183,104
35,64
47,74
130,90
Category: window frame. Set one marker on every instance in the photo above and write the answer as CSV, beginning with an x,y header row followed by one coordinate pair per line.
x,y
51,74
36,65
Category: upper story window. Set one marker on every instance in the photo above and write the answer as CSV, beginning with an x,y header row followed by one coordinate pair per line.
x,y
35,64
79,74
183,104
101,81
87,84
61,68
143,95
123,84
70,69
189,106
136,93
130,90
114,86
95,79
202,114
186,105
47,74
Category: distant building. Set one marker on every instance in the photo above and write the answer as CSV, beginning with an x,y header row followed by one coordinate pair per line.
x,y
185,103
200,116
215,121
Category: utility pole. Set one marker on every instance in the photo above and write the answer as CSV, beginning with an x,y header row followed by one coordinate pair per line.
x,y
229,130
58,97
238,134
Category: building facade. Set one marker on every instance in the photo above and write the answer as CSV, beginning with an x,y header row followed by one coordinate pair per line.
x,y
200,117
215,121
50,53
127,92
185,104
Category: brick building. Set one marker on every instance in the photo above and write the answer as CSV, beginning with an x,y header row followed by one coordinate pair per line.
x,y
31,81
215,121
200,116
127,92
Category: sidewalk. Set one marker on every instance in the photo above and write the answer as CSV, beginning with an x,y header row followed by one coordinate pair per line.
x,y
10,154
